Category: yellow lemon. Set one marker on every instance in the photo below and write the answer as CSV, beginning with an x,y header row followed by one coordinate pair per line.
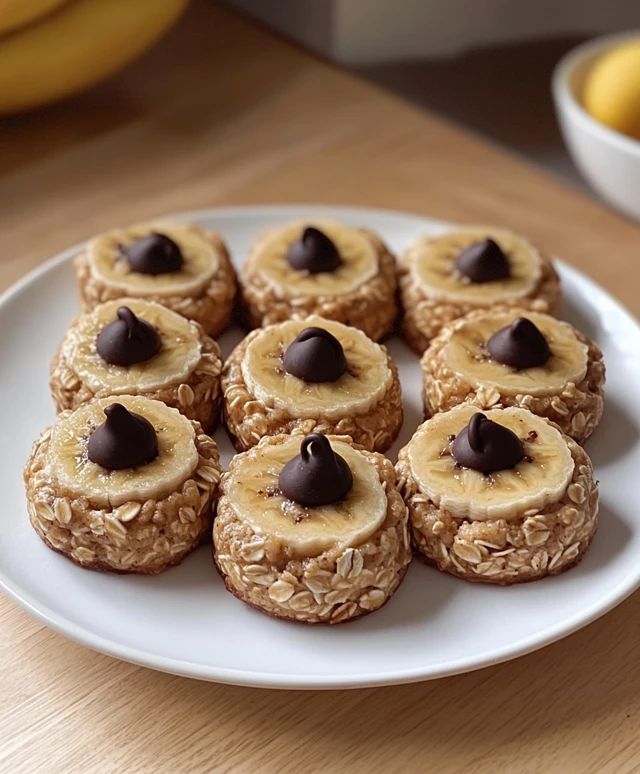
x,y
612,89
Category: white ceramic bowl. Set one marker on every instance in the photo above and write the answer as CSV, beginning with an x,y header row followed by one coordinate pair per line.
x,y
609,161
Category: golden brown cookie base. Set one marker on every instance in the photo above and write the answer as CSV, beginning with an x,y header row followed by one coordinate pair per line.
x,y
577,410
372,307
339,585
248,420
424,317
135,537
103,567
212,308
541,543
230,588
512,582
197,397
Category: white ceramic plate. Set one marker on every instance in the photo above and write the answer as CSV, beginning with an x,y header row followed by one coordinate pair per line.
x,y
184,622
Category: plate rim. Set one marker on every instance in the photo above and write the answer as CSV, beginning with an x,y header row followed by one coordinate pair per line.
x,y
259,679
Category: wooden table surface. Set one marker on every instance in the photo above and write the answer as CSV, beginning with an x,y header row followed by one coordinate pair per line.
x,y
223,113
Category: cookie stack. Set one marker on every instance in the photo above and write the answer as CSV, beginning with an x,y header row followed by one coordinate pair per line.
x,y
312,522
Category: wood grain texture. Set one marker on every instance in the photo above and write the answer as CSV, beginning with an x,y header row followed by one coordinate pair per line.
x,y
223,113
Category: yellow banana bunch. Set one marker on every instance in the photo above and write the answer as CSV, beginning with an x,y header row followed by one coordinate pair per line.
x,y
17,13
51,49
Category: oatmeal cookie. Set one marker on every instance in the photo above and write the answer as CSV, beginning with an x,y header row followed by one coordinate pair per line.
x,y
311,375
311,529
341,273
136,347
513,357
498,498
132,493
445,277
178,265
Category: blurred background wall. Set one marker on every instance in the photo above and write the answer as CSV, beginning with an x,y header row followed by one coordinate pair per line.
x,y
485,64
368,32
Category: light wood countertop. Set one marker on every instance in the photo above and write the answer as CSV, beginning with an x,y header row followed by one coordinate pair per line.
x,y
223,113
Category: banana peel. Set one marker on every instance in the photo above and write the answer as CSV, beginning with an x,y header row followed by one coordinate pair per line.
x,y
76,47
18,13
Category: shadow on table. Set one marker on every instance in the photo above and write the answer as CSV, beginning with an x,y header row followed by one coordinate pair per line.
x,y
153,98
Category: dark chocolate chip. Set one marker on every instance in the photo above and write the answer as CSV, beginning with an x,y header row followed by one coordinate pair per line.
x,y
519,345
123,440
313,253
127,340
317,476
153,254
483,262
315,355
487,446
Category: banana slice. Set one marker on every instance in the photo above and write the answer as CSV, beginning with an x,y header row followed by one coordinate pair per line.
x,y
255,497
362,386
70,467
505,494
359,261
201,260
466,355
179,355
433,259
